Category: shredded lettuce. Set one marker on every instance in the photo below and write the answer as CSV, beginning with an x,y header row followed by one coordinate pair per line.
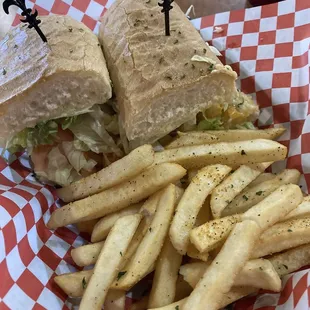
x,y
90,129
211,124
43,133
59,169
77,158
67,122
246,125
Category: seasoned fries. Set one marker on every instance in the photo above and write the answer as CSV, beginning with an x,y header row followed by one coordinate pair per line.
x,y
214,136
213,233
246,134
283,236
74,284
248,198
302,211
233,185
118,197
115,300
291,260
120,171
191,202
226,153
150,246
108,262
193,138
153,212
104,225
258,273
165,277
87,254
220,276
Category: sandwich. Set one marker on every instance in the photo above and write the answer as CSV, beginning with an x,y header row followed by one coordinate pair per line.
x,y
166,82
56,98
51,100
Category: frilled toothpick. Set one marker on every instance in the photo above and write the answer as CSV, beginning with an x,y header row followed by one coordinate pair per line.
x,y
166,4
30,17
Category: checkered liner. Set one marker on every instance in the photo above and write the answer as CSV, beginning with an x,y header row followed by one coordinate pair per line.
x,y
269,48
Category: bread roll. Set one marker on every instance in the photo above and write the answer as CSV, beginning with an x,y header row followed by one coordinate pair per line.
x,y
42,81
157,85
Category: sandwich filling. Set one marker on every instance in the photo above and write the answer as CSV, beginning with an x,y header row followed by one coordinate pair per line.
x,y
64,150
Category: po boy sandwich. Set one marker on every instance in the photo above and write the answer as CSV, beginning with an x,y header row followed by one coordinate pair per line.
x,y
164,82
51,97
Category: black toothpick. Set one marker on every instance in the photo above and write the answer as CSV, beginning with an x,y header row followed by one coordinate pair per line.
x,y
30,17
166,4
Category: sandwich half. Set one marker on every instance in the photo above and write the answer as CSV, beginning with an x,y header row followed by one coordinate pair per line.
x,y
164,82
51,97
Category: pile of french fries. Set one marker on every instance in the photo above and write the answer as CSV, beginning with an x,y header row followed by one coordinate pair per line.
x,y
203,215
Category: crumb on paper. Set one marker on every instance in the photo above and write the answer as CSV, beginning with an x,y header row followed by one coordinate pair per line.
x,y
218,29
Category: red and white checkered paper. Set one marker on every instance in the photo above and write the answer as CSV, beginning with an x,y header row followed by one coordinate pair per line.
x,y
268,47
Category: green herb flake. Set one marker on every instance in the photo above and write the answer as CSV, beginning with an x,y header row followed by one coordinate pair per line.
x,y
289,230
285,267
232,185
243,152
245,197
4,72
120,274
84,284
177,307
121,253
150,229
259,193
211,68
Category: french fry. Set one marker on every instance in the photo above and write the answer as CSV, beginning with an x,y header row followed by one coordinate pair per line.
x,y
86,255
275,207
194,253
262,178
120,171
191,202
302,211
250,197
143,261
115,300
147,210
212,234
87,226
227,153
104,225
214,136
291,260
258,273
233,295
118,197
74,283
192,138
109,260
165,277
246,134
221,275
223,194
283,236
